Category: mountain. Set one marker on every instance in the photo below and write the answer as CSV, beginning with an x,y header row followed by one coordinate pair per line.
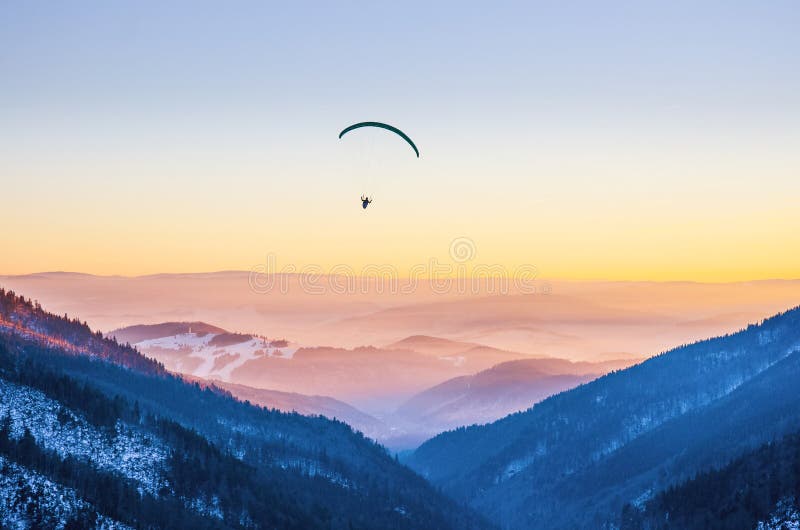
x,y
436,346
92,432
204,354
287,376
477,356
759,490
491,394
27,319
575,459
200,349
553,324
377,378
372,379
306,405
577,320
141,333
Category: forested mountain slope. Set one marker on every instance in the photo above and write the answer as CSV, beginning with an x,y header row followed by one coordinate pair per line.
x,y
88,420
760,489
573,460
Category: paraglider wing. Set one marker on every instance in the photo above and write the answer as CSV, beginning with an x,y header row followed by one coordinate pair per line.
x,y
395,130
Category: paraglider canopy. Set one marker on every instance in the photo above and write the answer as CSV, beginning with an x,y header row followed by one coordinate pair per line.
x,y
380,125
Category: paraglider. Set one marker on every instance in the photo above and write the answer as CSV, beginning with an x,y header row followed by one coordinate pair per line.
x,y
366,200
380,125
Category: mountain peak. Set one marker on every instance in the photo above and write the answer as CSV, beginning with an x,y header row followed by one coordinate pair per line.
x,y
142,332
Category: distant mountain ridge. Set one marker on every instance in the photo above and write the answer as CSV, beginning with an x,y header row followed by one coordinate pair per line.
x,y
432,345
391,374
306,405
578,320
283,401
490,394
291,375
142,332
574,459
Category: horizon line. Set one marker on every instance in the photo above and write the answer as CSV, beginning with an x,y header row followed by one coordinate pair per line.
x,y
296,274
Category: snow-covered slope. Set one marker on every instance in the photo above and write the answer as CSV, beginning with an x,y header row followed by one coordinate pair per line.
x,y
201,350
30,500
133,454
199,355
785,517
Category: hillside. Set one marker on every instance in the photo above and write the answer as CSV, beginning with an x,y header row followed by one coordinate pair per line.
x,y
27,319
576,458
757,490
436,346
491,394
118,439
143,332
373,379
426,377
306,405
200,349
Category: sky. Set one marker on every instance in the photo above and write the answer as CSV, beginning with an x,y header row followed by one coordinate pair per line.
x,y
593,140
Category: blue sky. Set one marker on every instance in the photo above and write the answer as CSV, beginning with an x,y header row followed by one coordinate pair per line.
x,y
596,107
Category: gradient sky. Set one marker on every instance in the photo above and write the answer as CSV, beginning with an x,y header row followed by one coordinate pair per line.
x,y
622,140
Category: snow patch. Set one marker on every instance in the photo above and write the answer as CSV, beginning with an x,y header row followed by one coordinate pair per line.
x,y
26,495
131,453
192,345
785,517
